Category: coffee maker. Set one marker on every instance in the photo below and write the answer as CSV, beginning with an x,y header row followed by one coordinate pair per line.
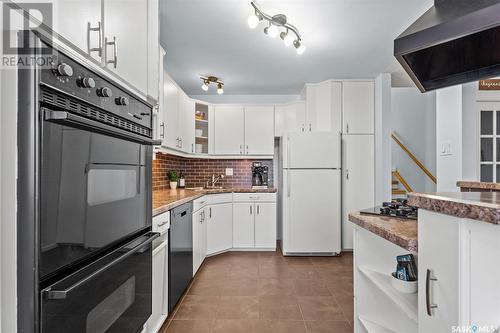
x,y
259,175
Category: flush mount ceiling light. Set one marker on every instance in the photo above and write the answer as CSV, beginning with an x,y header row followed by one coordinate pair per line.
x,y
290,35
206,81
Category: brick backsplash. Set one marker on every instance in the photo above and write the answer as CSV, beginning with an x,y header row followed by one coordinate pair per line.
x,y
197,170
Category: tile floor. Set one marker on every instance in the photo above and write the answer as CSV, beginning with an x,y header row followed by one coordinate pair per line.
x,y
264,292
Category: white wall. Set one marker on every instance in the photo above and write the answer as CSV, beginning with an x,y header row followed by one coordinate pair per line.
x,y
413,119
449,107
383,138
247,99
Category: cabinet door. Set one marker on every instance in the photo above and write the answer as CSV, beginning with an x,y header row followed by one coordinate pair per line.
x,y
153,62
440,255
203,233
359,107
289,118
126,20
158,118
324,106
229,129
186,122
259,130
358,179
243,225
219,228
265,225
159,255
75,27
170,113
197,226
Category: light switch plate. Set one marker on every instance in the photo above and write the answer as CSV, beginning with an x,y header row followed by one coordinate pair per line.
x,y
229,171
445,149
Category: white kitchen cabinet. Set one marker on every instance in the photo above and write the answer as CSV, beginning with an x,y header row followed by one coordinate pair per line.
x,y
358,180
159,111
289,117
155,68
199,238
358,98
265,225
75,28
125,31
229,126
243,225
323,106
219,227
169,130
259,130
186,123
159,287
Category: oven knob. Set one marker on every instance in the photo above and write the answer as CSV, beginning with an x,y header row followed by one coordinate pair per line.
x,y
121,101
87,82
105,92
64,69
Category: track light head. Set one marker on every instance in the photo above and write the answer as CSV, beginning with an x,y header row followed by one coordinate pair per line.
x,y
220,89
204,86
272,30
299,47
253,20
287,38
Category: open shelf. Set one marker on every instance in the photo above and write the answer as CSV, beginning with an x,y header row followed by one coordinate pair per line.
x,y
408,303
201,121
201,138
202,126
373,327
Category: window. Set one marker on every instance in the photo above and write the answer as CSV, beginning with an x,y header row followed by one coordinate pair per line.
x,y
489,142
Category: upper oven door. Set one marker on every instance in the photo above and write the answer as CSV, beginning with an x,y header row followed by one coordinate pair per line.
x,y
94,193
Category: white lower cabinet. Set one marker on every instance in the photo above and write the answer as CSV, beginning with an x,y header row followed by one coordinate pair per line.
x,y
159,286
265,225
254,224
199,238
219,227
243,225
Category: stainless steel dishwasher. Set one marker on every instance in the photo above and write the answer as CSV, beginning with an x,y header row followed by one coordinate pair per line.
x,y
180,252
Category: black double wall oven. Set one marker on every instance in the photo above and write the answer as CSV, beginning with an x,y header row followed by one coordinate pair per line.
x,y
85,154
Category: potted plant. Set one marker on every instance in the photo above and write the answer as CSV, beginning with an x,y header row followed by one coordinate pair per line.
x,y
173,178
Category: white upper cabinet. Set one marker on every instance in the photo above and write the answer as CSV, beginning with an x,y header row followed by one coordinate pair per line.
x,y
229,126
324,106
359,107
289,118
259,130
170,113
126,40
186,123
83,30
154,66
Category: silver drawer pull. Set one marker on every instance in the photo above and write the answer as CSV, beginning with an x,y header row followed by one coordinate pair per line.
x,y
162,224
428,304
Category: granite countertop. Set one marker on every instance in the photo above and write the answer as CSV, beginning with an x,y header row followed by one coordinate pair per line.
x,y
402,232
164,200
478,185
481,206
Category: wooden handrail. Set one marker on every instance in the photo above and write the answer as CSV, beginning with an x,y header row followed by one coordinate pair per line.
x,y
409,153
402,181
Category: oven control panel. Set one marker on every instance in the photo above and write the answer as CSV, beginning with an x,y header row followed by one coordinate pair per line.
x,y
72,78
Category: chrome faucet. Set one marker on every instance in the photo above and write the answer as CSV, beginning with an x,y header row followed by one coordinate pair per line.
x,y
214,180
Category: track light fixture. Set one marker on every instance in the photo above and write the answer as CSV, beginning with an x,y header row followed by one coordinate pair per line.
x,y
290,36
208,79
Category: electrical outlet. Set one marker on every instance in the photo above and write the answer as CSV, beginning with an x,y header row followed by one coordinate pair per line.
x,y
445,148
229,171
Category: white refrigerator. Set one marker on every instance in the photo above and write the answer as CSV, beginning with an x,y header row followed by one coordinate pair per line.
x,y
310,193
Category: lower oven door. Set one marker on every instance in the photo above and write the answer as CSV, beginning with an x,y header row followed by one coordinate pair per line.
x,y
113,294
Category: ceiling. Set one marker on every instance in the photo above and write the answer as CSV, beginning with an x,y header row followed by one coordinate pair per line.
x,y
345,39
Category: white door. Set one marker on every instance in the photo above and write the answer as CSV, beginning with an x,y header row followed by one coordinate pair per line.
x,y
169,128
304,150
440,255
159,260
75,27
229,129
243,225
265,225
126,22
312,211
186,123
197,226
324,106
359,107
259,130
358,180
219,228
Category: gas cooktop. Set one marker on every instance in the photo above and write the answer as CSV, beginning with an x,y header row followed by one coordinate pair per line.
x,y
395,208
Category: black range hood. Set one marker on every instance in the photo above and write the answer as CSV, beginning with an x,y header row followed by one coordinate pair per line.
x,y
454,42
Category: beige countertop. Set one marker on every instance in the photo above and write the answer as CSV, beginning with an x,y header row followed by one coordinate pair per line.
x,y
164,200
481,206
402,232
478,185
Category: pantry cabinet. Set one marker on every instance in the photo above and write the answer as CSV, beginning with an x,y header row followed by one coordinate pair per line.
x,y
259,130
229,126
219,227
323,106
289,117
358,98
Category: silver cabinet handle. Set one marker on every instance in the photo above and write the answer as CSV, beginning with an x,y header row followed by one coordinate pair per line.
x,y
347,127
289,182
210,212
162,134
247,149
429,306
241,149
192,147
258,209
347,174
115,52
303,127
250,209
162,224
90,29
201,218
253,198
62,294
310,127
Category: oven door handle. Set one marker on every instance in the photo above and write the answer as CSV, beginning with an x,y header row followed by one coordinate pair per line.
x,y
64,117
62,294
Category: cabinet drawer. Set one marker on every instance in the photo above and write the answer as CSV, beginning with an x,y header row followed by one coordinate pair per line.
x,y
200,202
214,199
161,223
254,197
